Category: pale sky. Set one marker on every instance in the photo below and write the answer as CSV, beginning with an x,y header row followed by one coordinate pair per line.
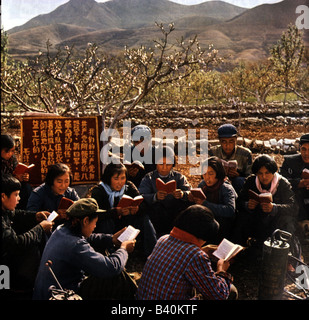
x,y
18,12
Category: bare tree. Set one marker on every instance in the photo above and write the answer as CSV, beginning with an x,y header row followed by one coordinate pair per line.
x,y
60,83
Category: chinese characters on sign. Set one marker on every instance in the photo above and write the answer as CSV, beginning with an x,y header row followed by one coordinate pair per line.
x,y
72,141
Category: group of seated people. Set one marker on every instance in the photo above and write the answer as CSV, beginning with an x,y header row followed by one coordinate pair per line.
x,y
82,243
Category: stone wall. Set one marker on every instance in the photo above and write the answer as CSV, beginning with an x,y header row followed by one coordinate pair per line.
x,y
212,116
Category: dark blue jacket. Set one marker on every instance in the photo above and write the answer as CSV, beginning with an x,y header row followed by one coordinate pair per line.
x,y
148,187
227,201
292,167
42,198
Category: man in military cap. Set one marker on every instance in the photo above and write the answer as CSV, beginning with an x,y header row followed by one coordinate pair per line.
x,y
230,153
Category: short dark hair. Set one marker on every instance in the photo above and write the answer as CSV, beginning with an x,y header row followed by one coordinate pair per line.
x,y
266,161
198,221
9,184
75,223
7,142
216,164
112,169
56,170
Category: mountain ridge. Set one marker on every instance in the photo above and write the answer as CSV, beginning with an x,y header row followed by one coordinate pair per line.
x,y
245,33
127,13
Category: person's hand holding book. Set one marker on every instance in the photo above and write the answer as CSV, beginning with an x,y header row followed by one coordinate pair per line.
x,y
252,204
178,194
267,207
161,195
133,210
198,201
41,215
223,265
121,212
62,214
128,245
304,183
209,250
23,177
232,173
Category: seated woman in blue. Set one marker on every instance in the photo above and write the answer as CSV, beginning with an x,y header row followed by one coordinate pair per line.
x,y
220,195
164,207
108,193
47,196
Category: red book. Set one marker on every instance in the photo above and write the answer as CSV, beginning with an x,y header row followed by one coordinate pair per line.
x,y
127,201
262,197
22,168
65,203
198,193
305,174
169,187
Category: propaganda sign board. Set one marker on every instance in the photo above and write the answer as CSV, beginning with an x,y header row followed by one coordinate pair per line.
x,y
72,141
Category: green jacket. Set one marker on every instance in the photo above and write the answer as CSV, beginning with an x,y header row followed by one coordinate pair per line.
x,y
241,154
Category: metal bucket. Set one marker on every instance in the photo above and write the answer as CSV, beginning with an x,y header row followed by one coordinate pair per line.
x,y
274,265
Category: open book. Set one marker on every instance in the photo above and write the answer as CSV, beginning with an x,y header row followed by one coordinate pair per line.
x,y
65,203
127,201
198,193
135,164
227,250
305,174
22,168
262,197
230,163
52,216
129,234
169,187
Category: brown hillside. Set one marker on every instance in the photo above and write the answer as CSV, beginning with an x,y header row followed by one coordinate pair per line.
x,y
239,33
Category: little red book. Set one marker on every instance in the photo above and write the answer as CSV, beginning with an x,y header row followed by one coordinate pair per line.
x,y
65,203
22,168
198,193
169,187
127,201
262,197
